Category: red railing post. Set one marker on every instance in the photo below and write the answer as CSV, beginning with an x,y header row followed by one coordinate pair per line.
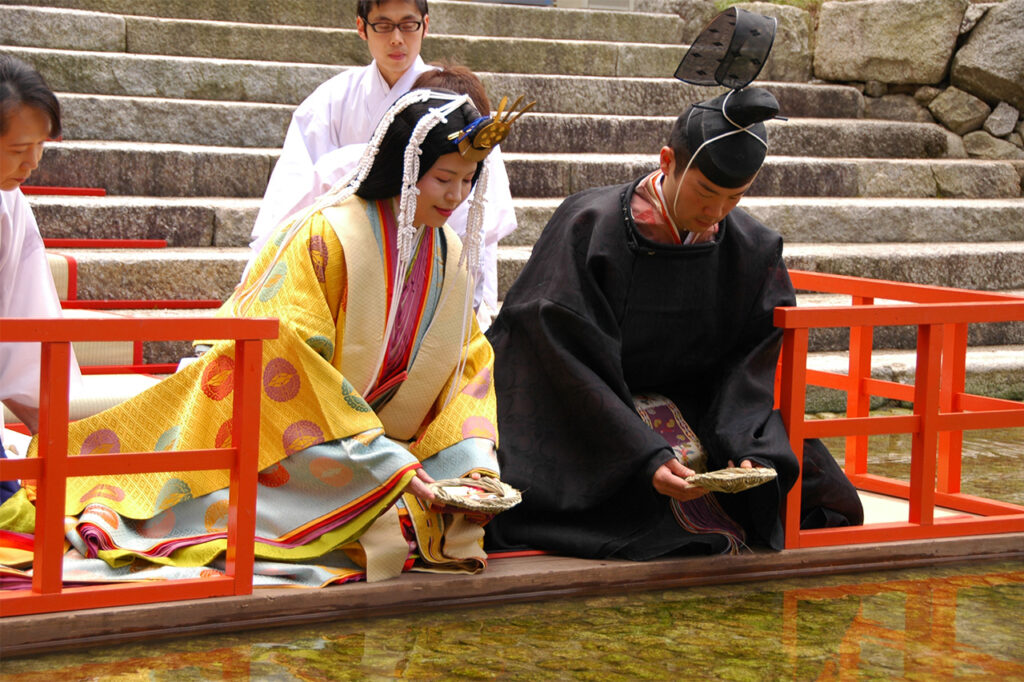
x,y
925,440
858,400
792,405
245,436
954,381
51,487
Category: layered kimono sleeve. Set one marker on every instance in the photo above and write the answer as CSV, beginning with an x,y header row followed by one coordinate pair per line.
x,y
305,399
460,434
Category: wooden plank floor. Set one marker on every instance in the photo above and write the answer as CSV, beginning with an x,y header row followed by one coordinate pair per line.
x,y
505,580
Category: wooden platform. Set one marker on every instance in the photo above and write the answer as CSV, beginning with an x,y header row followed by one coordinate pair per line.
x,y
505,580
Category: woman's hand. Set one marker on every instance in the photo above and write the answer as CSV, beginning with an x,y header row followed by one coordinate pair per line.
x,y
418,486
670,480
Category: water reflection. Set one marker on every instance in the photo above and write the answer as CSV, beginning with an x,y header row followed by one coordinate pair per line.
x,y
920,624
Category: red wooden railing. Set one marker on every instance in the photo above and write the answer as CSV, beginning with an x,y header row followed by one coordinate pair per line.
x,y
942,408
53,467
942,411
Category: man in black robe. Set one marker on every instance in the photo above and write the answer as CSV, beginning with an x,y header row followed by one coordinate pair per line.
x,y
659,285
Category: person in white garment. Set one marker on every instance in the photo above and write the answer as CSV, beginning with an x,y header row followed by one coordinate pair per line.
x,y
345,110
29,115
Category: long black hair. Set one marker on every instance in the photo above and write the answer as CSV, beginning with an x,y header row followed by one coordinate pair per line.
x,y
20,84
385,176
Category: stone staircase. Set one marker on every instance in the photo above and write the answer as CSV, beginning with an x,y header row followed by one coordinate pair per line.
x,y
178,108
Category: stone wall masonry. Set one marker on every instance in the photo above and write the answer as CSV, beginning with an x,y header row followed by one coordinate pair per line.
x,y
991,62
791,55
895,41
886,48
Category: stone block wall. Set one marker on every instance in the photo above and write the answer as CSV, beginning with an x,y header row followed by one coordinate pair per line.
x,y
953,62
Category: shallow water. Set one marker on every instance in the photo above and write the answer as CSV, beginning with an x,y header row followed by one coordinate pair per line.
x,y
992,460
939,623
945,622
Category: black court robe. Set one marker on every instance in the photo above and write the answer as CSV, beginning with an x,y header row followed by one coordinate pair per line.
x,y
600,313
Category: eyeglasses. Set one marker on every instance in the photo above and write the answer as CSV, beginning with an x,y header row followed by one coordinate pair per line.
x,y
389,26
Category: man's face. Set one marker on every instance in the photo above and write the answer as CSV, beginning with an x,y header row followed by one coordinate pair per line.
x,y
21,146
394,50
695,202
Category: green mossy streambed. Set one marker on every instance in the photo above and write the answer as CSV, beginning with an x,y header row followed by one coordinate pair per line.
x,y
939,623
947,622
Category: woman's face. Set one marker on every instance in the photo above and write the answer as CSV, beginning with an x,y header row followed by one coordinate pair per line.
x,y
443,188
22,145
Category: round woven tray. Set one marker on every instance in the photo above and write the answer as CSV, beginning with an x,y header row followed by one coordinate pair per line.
x,y
732,480
488,495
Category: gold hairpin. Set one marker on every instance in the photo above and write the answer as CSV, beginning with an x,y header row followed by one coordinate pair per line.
x,y
477,142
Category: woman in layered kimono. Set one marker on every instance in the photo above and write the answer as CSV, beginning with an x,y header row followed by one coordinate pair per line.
x,y
378,383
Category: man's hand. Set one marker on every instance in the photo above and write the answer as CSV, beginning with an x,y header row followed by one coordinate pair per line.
x,y
418,486
669,480
746,464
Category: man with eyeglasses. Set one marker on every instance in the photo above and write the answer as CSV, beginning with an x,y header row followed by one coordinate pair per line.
x,y
345,110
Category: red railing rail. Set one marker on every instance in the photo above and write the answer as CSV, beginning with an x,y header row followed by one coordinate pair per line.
x,y
942,407
53,466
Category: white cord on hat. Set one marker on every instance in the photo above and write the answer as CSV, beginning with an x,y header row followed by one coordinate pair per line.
x,y
739,129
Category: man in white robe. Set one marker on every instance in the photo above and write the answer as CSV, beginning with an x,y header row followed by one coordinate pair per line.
x,y
345,110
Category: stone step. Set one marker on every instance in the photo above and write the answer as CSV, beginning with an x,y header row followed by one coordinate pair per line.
x,y
556,132
130,168
558,175
259,124
217,221
831,220
462,18
144,75
33,27
990,266
647,95
182,222
163,170
211,272
176,121
198,273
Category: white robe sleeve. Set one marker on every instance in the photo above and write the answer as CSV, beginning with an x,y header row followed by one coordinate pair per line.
x,y
341,111
26,290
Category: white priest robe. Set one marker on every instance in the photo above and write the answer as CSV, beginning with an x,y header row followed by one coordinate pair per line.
x,y
26,290
344,111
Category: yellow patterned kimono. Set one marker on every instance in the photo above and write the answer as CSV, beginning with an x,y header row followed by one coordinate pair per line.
x,y
330,288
